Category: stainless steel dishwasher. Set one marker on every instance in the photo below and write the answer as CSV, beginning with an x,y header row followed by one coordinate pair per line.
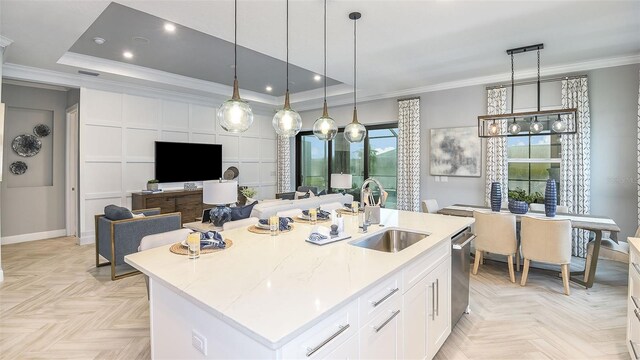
x,y
460,266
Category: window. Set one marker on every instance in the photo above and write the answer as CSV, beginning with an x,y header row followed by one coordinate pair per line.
x,y
533,160
376,157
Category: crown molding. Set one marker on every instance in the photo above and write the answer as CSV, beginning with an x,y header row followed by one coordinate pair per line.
x,y
56,78
345,99
5,41
34,85
143,73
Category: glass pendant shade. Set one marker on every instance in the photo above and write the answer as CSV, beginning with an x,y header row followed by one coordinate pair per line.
x,y
287,122
494,129
235,115
355,132
558,125
536,127
514,128
325,128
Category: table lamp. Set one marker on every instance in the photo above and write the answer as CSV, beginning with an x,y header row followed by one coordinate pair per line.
x,y
341,181
219,193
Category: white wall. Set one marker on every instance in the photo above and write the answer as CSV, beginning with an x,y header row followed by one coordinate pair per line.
x,y
1,167
117,134
613,97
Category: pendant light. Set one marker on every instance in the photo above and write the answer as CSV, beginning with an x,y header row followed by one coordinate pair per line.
x,y
558,121
325,128
287,122
235,115
355,132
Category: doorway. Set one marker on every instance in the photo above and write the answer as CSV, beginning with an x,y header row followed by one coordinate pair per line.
x,y
71,167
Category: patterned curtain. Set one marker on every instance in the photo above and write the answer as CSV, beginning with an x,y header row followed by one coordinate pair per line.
x,y
409,154
575,162
283,179
496,165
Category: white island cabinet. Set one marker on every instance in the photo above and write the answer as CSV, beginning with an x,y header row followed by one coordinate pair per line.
x,y
282,298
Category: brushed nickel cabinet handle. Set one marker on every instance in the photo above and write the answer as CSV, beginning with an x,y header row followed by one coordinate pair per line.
x,y
311,351
633,348
636,302
379,327
433,301
637,267
437,297
635,311
376,303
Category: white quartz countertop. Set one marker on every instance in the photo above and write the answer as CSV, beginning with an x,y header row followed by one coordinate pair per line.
x,y
274,288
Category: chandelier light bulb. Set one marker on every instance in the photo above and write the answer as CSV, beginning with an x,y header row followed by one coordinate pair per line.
x,y
536,127
558,125
514,128
493,129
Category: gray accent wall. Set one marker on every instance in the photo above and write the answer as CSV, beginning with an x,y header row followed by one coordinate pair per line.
x,y
40,205
613,101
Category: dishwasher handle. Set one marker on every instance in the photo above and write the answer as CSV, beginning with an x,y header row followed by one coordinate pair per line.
x,y
462,241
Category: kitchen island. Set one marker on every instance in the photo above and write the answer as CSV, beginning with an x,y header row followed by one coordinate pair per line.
x,y
281,297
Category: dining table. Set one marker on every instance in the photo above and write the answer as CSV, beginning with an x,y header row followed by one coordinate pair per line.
x,y
593,223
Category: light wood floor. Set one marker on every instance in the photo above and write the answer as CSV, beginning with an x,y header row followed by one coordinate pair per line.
x,y
55,304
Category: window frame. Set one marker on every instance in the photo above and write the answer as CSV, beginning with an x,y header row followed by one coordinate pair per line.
x,y
530,160
298,149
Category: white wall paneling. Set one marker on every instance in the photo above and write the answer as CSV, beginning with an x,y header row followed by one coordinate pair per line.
x,y
117,137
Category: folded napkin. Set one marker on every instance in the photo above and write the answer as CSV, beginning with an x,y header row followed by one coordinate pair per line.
x,y
284,223
212,239
321,214
348,206
315,237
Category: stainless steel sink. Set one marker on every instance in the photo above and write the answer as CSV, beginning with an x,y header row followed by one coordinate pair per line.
x,y
391,240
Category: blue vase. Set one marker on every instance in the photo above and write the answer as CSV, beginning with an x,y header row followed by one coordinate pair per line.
x,y
518,207
496,196
550,198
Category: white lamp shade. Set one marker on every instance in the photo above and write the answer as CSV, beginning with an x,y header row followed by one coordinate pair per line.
x,y
341,181
216,192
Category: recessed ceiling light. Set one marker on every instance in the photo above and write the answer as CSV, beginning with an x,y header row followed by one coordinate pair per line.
x,y
268,88
169,27
99,40
317,78
127,55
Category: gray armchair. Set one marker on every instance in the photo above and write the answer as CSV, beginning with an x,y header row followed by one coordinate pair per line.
x,y
117,238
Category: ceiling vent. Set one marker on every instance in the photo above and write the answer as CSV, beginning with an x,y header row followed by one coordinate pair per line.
x,y
90,73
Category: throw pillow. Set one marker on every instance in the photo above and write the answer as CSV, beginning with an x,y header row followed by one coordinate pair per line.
x,y
114,213
323,192
242,212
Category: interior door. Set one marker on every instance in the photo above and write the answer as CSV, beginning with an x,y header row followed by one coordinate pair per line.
x,y
71,166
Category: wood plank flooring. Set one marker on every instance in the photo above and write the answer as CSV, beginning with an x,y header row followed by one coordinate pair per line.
x,y
54,304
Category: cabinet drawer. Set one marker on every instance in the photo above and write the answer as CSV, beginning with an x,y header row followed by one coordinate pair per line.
x,y
374,300
322,339
189,200
381,338
412,274
165,205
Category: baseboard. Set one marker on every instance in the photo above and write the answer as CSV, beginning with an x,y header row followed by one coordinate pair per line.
x,y
33,236
87,238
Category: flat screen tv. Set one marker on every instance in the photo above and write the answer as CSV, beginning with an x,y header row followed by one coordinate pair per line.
x,y
180,162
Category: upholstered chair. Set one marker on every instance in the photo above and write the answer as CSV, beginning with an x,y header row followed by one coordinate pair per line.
x,y
239,223
430,206
293,213
496,234
547,241
610,249
161,239
560,209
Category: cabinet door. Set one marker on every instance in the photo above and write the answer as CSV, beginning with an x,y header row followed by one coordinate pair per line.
x,y
414,320
439,306
347,351
381,338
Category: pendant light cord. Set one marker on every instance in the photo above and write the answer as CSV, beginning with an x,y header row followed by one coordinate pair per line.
x,y
235,39
287,29
538,80
325,50
512,84
355,49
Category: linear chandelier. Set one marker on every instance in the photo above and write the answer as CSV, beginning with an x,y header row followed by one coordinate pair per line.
x,y
540,122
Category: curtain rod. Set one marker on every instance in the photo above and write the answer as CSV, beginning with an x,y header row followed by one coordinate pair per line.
x,y
531,82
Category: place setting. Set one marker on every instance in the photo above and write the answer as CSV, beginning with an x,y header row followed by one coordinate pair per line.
x,y
273,225
198,243
313,216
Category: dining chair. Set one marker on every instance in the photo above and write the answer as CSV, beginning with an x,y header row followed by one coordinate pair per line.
x,y
239,223
547,241
496,234
560,209
609,249
289,213
430,206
